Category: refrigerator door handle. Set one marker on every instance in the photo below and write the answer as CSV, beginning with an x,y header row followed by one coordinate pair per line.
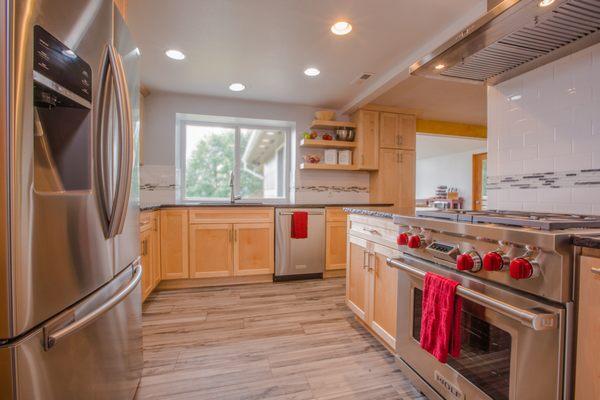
x,y
110,194
126,131
51,337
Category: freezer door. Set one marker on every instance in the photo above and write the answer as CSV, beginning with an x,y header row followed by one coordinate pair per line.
x,y
127,242
91,351
57,249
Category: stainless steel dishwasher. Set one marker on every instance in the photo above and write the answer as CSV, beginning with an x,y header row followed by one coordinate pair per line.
x,y
299,258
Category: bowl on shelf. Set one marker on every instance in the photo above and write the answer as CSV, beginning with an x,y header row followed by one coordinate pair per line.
x,y
325,115
312,158
346,135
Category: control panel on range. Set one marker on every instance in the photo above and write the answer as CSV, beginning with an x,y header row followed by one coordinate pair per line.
x,y
524,266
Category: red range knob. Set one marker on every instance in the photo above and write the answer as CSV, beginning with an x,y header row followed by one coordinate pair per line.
x,y
493,261
522,268
470,261
402,239
415,241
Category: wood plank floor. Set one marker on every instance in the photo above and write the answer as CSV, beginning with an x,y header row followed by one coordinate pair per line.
x,y
267,341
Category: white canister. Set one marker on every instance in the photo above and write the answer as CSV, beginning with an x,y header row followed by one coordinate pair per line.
x,y
331,156
345,157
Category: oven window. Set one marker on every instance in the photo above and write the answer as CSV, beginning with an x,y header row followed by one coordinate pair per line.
x,y
485,353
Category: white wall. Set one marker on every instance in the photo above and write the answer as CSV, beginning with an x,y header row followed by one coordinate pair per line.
x,y
454,169
158,174
544,137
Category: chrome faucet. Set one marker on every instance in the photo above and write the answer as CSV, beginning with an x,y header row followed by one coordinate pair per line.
x,y
232,197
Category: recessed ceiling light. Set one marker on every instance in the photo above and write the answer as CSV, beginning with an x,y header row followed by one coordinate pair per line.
x,y
545,3
270,133
311,71
266,141
237,87
341,28
440,66
262,146
175,54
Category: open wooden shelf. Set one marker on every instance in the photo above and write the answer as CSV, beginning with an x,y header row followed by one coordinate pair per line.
x,y
318,124
327,144
328,167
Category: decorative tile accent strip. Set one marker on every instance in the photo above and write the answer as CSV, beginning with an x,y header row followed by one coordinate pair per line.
x,y
152,187
333,189
553,180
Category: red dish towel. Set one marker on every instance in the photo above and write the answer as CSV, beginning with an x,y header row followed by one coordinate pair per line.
x,y
299,225
440,322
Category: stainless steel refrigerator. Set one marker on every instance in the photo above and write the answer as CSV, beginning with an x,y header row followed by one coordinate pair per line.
x,y
70,299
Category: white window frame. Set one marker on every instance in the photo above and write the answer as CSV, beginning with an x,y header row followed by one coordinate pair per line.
x,y
181,160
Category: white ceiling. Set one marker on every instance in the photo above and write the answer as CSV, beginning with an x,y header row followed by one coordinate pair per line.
x,y
435,145
266,44
439,100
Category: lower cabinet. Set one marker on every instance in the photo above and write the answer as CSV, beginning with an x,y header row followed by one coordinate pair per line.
x,y
174,244
371,290
253,249
335,239
587,367
211,250
150,251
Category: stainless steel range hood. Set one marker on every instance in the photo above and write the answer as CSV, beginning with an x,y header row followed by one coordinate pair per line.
x,y
513,37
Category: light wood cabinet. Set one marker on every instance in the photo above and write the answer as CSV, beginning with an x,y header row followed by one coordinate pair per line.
x,y
335,239
147,263
174,244
366,154
587,369
357,277
384,294
253,249
394,182
149,251
397,131
335,245
211,253
371,291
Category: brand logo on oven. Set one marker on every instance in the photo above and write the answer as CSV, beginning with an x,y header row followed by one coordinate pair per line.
x,y
450,388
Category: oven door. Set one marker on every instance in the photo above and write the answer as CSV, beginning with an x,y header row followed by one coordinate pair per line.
x,y
512,345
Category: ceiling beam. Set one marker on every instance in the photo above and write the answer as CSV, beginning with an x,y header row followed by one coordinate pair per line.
x,y
451,129
400,70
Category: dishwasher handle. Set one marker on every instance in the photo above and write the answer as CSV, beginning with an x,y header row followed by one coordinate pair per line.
x,y
308,212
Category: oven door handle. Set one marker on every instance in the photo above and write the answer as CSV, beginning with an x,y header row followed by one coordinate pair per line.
x,y
534,320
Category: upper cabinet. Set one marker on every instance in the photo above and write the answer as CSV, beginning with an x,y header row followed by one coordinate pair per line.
x,y
367,139
397,131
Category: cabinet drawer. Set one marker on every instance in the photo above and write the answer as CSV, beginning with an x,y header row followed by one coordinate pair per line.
x,y
378,230
231,215
335,214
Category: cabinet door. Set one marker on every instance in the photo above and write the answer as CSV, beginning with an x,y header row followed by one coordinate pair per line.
x,y
357,274
397,131
211,253
146,259
367,139
174,244
253,249
406,182
384,296
335,239
587,371
155,244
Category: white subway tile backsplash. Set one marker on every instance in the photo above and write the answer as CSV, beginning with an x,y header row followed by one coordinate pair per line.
x,y
542,139
539,165
573,161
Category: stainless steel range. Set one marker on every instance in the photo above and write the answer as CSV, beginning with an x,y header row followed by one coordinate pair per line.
x,y
515,272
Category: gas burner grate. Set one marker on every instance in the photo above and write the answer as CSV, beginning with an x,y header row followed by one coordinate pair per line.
x,y
541,221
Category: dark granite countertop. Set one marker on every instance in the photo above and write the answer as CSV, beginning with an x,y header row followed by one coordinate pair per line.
x,y
370,213
153,208
591,241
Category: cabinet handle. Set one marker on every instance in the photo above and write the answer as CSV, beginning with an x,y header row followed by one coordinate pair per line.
x,y
595,271
235,235
145,247
362,159
231,236
372,266
365,260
